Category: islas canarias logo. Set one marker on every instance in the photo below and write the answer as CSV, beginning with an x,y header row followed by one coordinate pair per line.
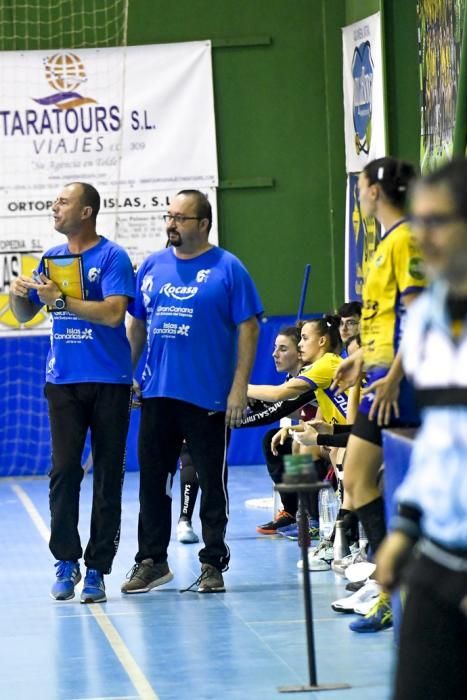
x,y
65,73
362,75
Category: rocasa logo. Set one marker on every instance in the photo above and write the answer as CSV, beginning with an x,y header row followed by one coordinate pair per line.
x,y
181,293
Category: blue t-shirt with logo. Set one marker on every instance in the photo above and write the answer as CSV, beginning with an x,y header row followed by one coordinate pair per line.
x,y
192,309
82,351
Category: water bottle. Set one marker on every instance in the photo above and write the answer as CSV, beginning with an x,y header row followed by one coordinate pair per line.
x,y
328,507
362,538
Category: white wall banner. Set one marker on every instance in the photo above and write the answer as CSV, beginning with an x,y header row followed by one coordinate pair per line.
x,y
136,122
364,108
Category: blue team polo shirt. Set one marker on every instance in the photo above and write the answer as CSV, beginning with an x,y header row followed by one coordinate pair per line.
x,y
82,351
192,309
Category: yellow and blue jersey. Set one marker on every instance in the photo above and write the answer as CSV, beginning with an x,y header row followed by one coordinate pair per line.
x,y
319,376
395,270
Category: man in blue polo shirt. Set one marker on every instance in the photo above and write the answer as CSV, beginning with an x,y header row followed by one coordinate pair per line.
x,y
197,308
88,386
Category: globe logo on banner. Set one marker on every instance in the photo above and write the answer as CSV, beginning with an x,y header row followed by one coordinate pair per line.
x,y
64,72
362,74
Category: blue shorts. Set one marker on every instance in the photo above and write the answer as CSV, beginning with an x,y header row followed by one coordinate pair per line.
x,y
408,411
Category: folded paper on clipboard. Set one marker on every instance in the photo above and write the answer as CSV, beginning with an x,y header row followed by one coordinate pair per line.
x,y
67,273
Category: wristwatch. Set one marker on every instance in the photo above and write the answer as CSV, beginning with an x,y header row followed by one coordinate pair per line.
x,y
60,303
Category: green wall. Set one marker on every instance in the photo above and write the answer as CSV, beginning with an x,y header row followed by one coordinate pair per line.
x,y
278,107
358,9
403,79
278,93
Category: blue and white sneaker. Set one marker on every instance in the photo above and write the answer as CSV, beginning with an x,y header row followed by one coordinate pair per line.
x,y
378,618
291,531
94,588
320,557
68,575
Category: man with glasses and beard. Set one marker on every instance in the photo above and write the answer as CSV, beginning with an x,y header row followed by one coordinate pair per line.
x,y
197,308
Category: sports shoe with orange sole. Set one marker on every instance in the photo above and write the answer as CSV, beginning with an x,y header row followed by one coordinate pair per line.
x,y
283,520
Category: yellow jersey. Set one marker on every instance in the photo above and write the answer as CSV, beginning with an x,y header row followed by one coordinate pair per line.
x,y
319,376
396,269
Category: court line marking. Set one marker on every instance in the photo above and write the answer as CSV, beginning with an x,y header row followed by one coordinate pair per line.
x,y
109,615
262,641
123,654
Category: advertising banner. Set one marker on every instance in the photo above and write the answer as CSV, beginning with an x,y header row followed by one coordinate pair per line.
x,y
136,122
364,109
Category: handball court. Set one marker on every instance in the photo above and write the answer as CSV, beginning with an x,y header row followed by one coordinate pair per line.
x,y
241,645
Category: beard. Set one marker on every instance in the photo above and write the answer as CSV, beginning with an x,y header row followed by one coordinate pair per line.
x,y
174,239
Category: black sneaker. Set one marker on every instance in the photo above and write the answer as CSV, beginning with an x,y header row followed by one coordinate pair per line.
x,y
146,575
283,519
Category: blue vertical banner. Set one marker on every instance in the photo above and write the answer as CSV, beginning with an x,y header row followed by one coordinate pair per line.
x,y
362,236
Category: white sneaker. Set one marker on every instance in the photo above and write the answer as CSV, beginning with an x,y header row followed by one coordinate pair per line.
x,y
365,607
360,571
185,532
340,565
366,594
319,558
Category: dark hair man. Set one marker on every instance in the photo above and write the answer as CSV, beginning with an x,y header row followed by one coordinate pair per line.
x,y
349,314
197,308
88,386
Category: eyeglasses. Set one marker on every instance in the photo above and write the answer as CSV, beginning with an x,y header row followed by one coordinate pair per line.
x,y
351,323
433,221
179,218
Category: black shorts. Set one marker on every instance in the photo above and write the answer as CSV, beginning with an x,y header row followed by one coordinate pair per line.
x,y
367,429
370,430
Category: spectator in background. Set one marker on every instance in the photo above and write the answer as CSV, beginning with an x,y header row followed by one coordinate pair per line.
x,y
88,385
350,315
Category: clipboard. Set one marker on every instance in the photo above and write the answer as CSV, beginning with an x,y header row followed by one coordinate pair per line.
x,y
67,273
